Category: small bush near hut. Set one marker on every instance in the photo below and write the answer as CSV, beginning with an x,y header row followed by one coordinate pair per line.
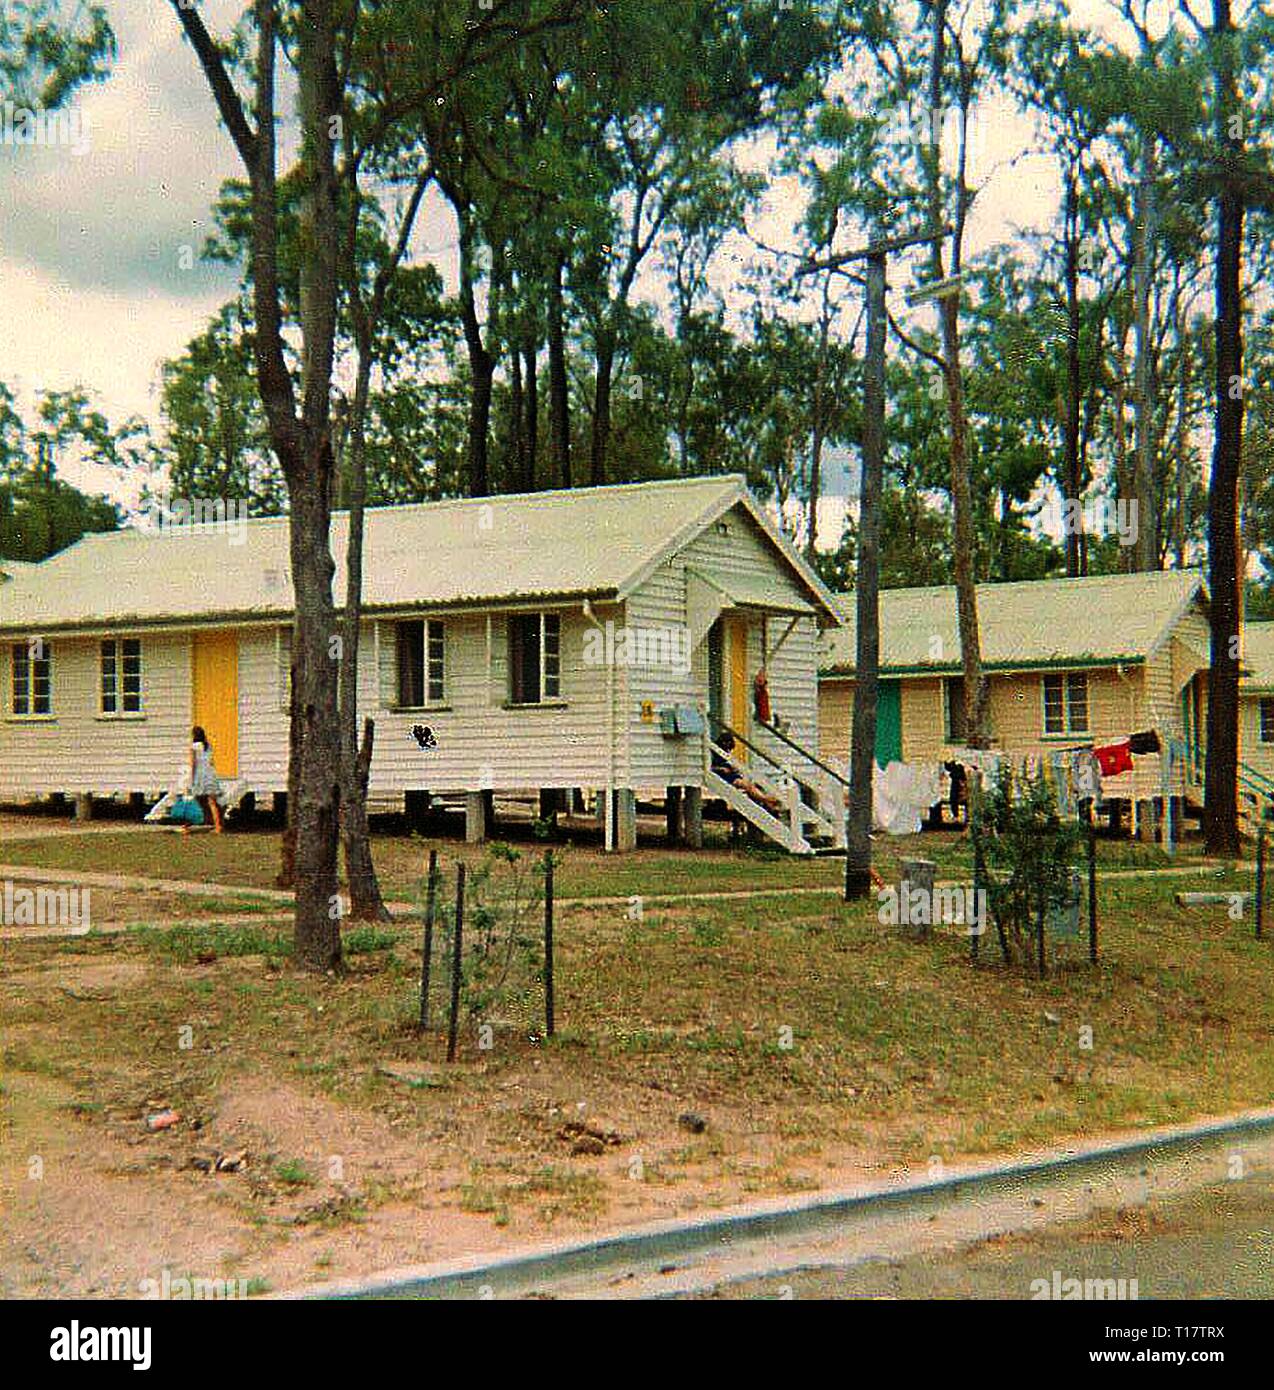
x,y
1029,854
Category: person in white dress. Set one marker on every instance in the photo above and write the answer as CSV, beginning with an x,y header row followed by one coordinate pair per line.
x,y
205,785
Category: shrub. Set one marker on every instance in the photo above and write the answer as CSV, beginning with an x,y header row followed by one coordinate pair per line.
x,y
1028,853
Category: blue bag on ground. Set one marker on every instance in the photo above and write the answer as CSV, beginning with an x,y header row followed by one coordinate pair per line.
x,y
187,811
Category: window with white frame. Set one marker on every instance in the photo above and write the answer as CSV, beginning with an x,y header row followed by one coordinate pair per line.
x,y
1267,719
1066,703
535,658
422,663
32,691
120,671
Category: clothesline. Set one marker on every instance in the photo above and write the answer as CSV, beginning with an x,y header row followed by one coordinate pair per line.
x,y
905,793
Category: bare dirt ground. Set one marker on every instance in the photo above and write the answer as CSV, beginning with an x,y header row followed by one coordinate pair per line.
x,y
322,1137
93,1202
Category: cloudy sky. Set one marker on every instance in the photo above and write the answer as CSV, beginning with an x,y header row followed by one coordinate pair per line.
x,y
97,287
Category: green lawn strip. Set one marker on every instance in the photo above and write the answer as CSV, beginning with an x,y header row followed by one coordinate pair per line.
x,y
795,1017
252,860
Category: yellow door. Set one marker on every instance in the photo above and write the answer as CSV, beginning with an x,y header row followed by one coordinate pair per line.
x,y
214,696
736,663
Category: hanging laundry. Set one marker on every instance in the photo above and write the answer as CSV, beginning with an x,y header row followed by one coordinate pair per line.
x,y
902,795
1086,774
986,764
1114,758
1060,775
1147,742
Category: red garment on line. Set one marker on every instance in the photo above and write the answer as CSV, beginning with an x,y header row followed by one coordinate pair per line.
x,y
1114,758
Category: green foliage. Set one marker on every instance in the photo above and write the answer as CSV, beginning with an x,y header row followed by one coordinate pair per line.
x,y
1028,853
47,50
503,954
294,1172
38,518
216,440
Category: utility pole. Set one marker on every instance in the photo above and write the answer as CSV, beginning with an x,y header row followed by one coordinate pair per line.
x,y
862,757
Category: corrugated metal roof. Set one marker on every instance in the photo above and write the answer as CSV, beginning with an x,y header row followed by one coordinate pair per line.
x,y
752,591
594,542
1258,656
1117,617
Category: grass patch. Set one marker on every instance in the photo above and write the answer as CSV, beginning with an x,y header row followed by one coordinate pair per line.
x,y
551,1191
801,1030
186,944
293,1172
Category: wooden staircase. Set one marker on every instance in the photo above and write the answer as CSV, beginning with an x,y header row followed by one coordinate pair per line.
x,y
809,817
1255,790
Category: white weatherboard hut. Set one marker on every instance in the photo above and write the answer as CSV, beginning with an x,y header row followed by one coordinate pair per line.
x,y
594,639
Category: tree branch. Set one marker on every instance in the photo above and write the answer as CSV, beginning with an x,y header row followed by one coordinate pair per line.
x,y
919,348
214,67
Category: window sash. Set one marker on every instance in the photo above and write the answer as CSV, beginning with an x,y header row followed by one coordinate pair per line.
x,y
131,666
953,709
551,654
1267,720
110,678
1054,705
1066,703
21,703
411,664
421,677
1077,702
121,676
535,657
524,658
436,655
32,680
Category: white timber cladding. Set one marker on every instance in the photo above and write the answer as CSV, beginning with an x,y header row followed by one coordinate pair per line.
x,y
1167,673
79,749
657,762
264,662
481,738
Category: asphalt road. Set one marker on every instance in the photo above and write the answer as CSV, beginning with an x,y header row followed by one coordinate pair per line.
x,y
1214,1243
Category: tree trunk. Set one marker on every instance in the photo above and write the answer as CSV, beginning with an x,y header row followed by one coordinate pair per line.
x,y
862,757
1074,480
605,356
819,423
1124,488
517,456
1181,522
559,393
317,813
366,903
1221,832
1146,547
481,368
975,689
531,427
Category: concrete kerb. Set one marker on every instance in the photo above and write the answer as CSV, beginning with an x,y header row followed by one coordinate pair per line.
x,y
521,1271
